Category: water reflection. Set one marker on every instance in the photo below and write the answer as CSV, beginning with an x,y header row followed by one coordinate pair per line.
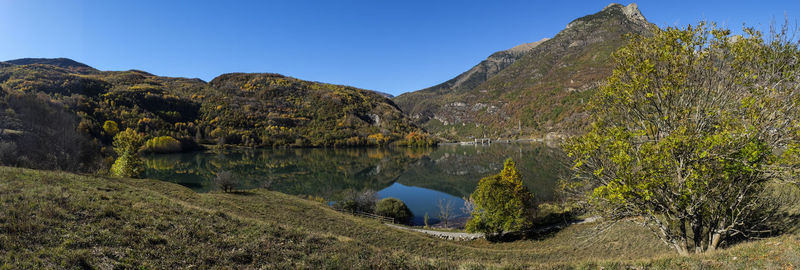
x,y
420,177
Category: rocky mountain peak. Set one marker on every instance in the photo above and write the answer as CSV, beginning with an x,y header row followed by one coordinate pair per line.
x,y
633,13
534,88
630,12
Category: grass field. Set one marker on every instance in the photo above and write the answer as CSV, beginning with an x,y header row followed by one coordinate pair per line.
x,y
61,220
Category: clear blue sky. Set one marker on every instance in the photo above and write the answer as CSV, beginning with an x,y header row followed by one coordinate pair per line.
x,y
390,46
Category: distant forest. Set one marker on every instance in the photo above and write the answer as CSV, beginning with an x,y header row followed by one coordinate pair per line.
x,y
61,114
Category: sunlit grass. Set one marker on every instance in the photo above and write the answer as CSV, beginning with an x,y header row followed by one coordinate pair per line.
x,y
61,220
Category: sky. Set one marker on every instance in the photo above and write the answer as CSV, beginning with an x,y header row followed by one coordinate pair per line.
x,y
383,45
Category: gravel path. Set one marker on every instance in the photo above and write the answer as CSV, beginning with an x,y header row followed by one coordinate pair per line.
x,y
446,235
460,236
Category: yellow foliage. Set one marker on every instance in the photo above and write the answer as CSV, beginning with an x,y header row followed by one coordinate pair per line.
x,y
111,128
163,144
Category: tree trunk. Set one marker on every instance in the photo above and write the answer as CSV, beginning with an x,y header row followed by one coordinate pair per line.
x,y
697,234
681,248
715,239
684,250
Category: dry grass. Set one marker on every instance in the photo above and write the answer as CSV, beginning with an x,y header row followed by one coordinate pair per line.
x,y
61,220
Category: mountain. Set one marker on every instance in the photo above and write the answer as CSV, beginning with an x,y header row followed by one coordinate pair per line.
x,y
533,89
483,70
247,109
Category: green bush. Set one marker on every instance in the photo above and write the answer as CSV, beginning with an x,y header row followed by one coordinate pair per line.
x,y
163,144
394,208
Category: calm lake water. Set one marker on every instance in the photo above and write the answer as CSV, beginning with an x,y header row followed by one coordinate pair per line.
x,y
419,177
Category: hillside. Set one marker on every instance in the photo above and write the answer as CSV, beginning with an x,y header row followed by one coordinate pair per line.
x,y
256,110
286,110
59,62
61,220
535,92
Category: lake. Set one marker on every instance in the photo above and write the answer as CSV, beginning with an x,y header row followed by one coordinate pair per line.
x,y
420,177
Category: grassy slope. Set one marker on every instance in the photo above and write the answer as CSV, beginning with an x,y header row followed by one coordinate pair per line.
x,y
60,220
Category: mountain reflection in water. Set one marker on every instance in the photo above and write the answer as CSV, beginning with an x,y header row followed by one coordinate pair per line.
x,y
420,177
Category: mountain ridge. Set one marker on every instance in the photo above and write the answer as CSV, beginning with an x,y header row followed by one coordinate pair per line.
x,y
59,62
538,93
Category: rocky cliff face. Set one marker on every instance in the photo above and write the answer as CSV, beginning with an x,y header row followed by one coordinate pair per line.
x,y
532,89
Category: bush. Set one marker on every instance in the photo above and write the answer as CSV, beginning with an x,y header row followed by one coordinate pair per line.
x,y
364,201
225,181
163,144
394,208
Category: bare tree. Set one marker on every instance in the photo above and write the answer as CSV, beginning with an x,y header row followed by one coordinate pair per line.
x,y
225,181
445,210
469,205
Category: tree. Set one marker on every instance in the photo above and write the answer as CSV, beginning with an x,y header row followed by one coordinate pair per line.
x,y
688,130
110,127
225,181
128,164
162,144
46,135
445,211
501,202
394,208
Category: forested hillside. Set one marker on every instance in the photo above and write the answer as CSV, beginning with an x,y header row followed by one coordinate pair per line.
x,y
41,99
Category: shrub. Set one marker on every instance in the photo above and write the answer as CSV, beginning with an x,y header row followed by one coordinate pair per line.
x,y
364,201
225,181
163,144
394,208
8,152
378,139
